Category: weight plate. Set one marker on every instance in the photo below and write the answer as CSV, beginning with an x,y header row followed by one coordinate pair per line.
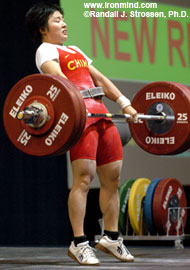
x,y
124,191
81,108
148,211
144,225
124,131
163,137
186,145
169,193
135,204
81,115
66,122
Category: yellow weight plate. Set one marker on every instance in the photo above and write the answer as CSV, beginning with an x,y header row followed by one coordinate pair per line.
x,y
135,209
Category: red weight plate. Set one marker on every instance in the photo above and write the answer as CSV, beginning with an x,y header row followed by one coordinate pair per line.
x,y
186,145
176,138
169,194
80,117
66,116
81,108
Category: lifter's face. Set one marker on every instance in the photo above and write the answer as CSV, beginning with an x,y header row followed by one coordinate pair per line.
x,y
57,29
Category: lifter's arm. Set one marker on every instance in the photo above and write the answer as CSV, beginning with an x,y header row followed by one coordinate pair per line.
x,y
52,67
110,90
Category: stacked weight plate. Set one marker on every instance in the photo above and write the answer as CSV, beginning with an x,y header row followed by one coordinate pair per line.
x,y
124,191
135,206
157,207
169,194
148,206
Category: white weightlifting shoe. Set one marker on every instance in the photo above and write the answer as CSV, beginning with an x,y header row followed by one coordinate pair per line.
x,y
83,254
115,248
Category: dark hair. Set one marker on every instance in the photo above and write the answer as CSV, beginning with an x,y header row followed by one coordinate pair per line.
x,y
37,18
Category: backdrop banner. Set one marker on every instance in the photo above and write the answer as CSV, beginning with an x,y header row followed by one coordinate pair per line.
x,y
141,41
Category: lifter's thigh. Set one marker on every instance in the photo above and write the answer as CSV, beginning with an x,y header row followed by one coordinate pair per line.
x,y
86,147
110,146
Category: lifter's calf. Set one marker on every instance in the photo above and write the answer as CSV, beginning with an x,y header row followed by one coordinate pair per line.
x,y
77,207
83,173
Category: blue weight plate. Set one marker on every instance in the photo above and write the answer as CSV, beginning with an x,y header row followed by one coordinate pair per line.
x,y
148,212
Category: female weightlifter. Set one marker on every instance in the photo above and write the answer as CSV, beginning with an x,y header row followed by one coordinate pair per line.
x,y
99,149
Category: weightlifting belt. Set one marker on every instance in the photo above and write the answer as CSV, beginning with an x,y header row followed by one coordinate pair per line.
x,y
92,92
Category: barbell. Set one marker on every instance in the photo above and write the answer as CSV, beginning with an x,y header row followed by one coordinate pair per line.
x,y
45,115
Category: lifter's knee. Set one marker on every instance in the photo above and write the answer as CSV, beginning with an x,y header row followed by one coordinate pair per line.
x,y
82,183
83,174
110,175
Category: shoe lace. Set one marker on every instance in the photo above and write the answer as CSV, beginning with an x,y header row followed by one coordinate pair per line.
x,y
122,246
87,251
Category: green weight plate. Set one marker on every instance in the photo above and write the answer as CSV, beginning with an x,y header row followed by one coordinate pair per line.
x,y
124,192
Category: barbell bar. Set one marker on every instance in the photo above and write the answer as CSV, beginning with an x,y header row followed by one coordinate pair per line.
x,y
61,116
32,114
128,117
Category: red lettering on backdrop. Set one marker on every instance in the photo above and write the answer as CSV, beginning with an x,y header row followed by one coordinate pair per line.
x,y
118,35
104,38
188,38
144,33
175,43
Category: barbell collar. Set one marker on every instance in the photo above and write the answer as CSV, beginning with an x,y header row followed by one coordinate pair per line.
x,y
29,115
35,116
